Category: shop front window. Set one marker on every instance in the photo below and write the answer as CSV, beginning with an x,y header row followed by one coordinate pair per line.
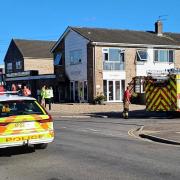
x,y
111,89
117,88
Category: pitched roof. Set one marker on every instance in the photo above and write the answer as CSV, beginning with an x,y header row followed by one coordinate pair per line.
x,y
127,36
175,36
34,48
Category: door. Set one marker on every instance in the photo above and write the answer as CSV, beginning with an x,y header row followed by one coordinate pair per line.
x,y
114,90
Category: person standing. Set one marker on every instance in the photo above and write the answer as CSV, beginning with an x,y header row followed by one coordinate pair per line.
x,y
13,88
126,102
42,93
48,97
26,91
51,94
38,94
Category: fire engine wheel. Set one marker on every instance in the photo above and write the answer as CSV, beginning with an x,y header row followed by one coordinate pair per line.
x,y
41,146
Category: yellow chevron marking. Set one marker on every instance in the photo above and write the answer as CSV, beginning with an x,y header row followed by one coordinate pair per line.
x,y
153,100
173,84
165,96
152,93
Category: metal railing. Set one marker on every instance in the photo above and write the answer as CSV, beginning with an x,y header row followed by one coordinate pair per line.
x,y
113,66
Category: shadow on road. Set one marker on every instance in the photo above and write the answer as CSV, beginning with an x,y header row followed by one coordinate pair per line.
x,y
7,152
139,114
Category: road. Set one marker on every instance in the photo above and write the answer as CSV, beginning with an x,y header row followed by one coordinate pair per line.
x,y
93,149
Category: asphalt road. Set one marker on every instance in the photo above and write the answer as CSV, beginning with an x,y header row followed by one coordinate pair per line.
x,y
93,149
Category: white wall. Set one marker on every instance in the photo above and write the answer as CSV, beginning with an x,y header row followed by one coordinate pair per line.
x,y
114,75
143,67
74,41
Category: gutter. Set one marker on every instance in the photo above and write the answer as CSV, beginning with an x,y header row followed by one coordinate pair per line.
x,y
134,45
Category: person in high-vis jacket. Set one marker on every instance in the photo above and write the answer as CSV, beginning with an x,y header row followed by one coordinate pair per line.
x,y
48,97
42,94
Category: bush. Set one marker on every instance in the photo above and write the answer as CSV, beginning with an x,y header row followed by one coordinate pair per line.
x,y
99,99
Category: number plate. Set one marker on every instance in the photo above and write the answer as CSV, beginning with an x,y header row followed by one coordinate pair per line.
x,y
24,125
29,125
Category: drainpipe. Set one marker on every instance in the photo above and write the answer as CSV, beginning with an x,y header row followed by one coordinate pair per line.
x,y
94,72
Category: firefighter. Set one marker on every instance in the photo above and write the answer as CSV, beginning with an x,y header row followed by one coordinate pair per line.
x,y
126,102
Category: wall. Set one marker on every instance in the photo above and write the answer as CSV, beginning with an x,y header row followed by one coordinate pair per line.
x,y
127,74
177,59
98,71
44,66
143,67
130,54
76,72
59,70
13,54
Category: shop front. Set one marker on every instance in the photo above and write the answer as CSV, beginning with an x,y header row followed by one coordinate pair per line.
x,y
30,79
78,91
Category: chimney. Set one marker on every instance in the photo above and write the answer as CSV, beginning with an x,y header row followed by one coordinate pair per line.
x,y
158,28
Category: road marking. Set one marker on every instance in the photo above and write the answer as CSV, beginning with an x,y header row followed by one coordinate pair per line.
x,y
63,127
95,130
131,133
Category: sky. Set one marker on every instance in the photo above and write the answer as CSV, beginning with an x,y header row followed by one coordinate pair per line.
x,y
48,19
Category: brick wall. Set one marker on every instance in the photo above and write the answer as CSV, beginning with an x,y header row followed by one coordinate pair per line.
x,y
98,70
177,59
44,66
130,68
95,88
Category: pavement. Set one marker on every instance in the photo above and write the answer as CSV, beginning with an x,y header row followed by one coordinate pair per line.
x,y
167,131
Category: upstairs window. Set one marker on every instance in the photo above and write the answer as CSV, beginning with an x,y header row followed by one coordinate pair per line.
x,y
164,56
113,55
105,55
142,55
75,57
58,59
9,67
19,65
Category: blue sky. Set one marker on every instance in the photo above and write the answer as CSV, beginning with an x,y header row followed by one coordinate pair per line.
x,y
48,19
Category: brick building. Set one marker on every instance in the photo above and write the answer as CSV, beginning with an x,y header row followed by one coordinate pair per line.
x,y
29,62
91,61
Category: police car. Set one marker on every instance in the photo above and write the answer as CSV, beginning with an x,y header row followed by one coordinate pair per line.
x,y
23,121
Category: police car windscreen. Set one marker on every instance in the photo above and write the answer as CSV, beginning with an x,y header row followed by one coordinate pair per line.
x,y
19,107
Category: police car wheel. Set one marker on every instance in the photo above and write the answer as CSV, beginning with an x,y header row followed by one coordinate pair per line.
x,y
41,146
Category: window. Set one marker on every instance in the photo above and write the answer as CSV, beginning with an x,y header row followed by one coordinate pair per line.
x,y
19,107
76,57
113,55
58,59
105,55
142,55
9,67
164,56
19,65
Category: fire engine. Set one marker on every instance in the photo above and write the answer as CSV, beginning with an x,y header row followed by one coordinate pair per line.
x,y
162,90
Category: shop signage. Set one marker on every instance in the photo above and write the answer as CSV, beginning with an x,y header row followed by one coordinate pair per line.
x,y
22,74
